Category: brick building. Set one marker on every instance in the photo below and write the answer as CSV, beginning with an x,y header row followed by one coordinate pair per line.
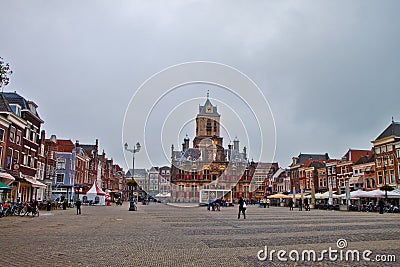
x,y
364,170
262,178
20,145
344,169
95,164
165,181
298,169
387,150
208,165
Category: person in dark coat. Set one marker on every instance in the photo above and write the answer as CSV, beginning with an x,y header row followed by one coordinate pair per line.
x,y
300,204
381,204
306,206
78,204
241,208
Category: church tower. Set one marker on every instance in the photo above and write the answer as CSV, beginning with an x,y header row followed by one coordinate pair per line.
x,y
207,125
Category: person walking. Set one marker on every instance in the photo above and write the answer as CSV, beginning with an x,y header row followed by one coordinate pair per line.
x,y
268,202
306,206
78,204
300,204
242,208
291,204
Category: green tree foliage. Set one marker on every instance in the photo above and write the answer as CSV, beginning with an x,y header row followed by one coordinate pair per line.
x,y
5,72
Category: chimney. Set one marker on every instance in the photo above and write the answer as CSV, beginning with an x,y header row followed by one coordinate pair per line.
x,y
53,138
97,147
77,143
43,135
236,144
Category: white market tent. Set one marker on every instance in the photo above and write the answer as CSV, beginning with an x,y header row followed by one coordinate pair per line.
x,y
324,195
96,195
163,195
372,194
354,194
379,193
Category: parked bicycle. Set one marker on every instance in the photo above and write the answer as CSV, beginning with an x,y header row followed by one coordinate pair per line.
x,y
17,209
30,209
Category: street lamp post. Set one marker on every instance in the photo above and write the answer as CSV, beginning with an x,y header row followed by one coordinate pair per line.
x,y
133,150
385,177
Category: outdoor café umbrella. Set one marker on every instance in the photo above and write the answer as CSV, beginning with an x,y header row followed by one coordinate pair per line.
x,y
279,196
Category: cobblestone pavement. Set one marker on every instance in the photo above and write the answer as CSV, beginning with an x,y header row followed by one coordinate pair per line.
x,y
162,235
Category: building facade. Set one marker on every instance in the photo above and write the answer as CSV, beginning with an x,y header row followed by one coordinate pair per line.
x,y
262,179
387,149
154,181
20,146
344,170
364,170
298,174
208,165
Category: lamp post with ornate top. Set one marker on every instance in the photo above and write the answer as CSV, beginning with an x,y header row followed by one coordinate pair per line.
x,y
134,150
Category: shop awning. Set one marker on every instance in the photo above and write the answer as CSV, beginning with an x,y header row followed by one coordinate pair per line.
x,y
4,188
6,178
34,182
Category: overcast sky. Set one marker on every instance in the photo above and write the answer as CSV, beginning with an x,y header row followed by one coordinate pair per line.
x,y
329,70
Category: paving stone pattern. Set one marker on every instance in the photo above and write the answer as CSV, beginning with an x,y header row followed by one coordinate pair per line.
x,y
163,235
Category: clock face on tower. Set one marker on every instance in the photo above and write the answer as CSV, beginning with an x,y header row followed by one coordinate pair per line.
x,y
209,109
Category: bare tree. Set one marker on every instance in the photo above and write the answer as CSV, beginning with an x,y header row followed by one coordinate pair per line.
x,y
5,72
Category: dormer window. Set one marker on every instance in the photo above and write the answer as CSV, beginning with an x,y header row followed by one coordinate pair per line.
x,y
16,109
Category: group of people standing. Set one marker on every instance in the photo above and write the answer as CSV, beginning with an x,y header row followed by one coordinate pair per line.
x,y
301,205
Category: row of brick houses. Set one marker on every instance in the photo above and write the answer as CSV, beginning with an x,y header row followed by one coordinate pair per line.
x,y
365,169
358,169
208,165
40,168
71,168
